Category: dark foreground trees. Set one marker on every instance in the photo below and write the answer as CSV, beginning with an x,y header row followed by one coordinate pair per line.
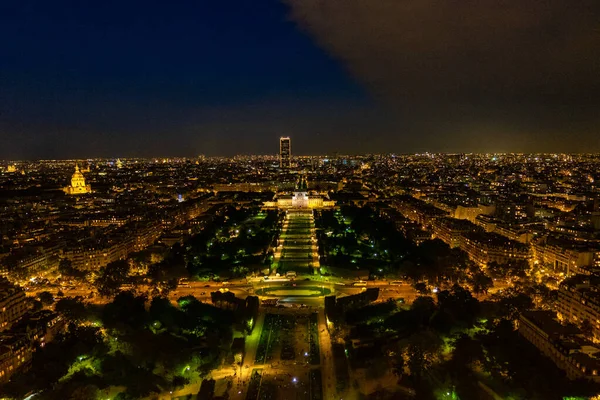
x,y
112,277
124,344
449,344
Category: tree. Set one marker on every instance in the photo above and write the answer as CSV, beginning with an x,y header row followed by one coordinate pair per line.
x,y
511,306
163,314
496,270
466,351
481,283
457,308
422,350
124,396
112,277
422,310
125,312
417,361
542,295
424,305
512,269
65,267
168,286
84,393
518,268
46,298
73,308
397,361
36,305
421,287
179,382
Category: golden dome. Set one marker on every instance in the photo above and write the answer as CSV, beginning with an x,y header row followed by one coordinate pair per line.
x,y
78,185
77,180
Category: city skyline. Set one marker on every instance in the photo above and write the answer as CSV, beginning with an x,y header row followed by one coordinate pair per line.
x,y
275,157
315,278
226,78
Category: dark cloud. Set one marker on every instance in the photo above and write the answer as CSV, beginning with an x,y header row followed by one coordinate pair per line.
x,y
317,127
527,71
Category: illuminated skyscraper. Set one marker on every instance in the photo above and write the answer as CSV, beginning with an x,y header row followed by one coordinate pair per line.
x,y
285,152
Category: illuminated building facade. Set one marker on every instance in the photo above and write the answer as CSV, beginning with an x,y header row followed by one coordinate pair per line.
x,y
579,300
13,304
20,343
78,185
562,258
450,230
564,345
300,198
86,259
485,248
15,353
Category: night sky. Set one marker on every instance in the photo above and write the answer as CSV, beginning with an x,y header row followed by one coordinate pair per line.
x,y
109,78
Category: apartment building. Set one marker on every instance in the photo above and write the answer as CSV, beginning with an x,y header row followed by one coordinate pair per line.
x,y
35,260
18,345
563,344
484,248
13,304
93,258
451,230
417,210
579,300
15,355
562,257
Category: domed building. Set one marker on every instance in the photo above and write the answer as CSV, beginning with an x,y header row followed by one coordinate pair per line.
x,y
78,185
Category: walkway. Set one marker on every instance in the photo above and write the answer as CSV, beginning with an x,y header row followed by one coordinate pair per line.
x,y
297,246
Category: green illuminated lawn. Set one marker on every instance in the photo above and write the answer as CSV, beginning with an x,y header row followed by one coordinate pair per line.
x,y
305,291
